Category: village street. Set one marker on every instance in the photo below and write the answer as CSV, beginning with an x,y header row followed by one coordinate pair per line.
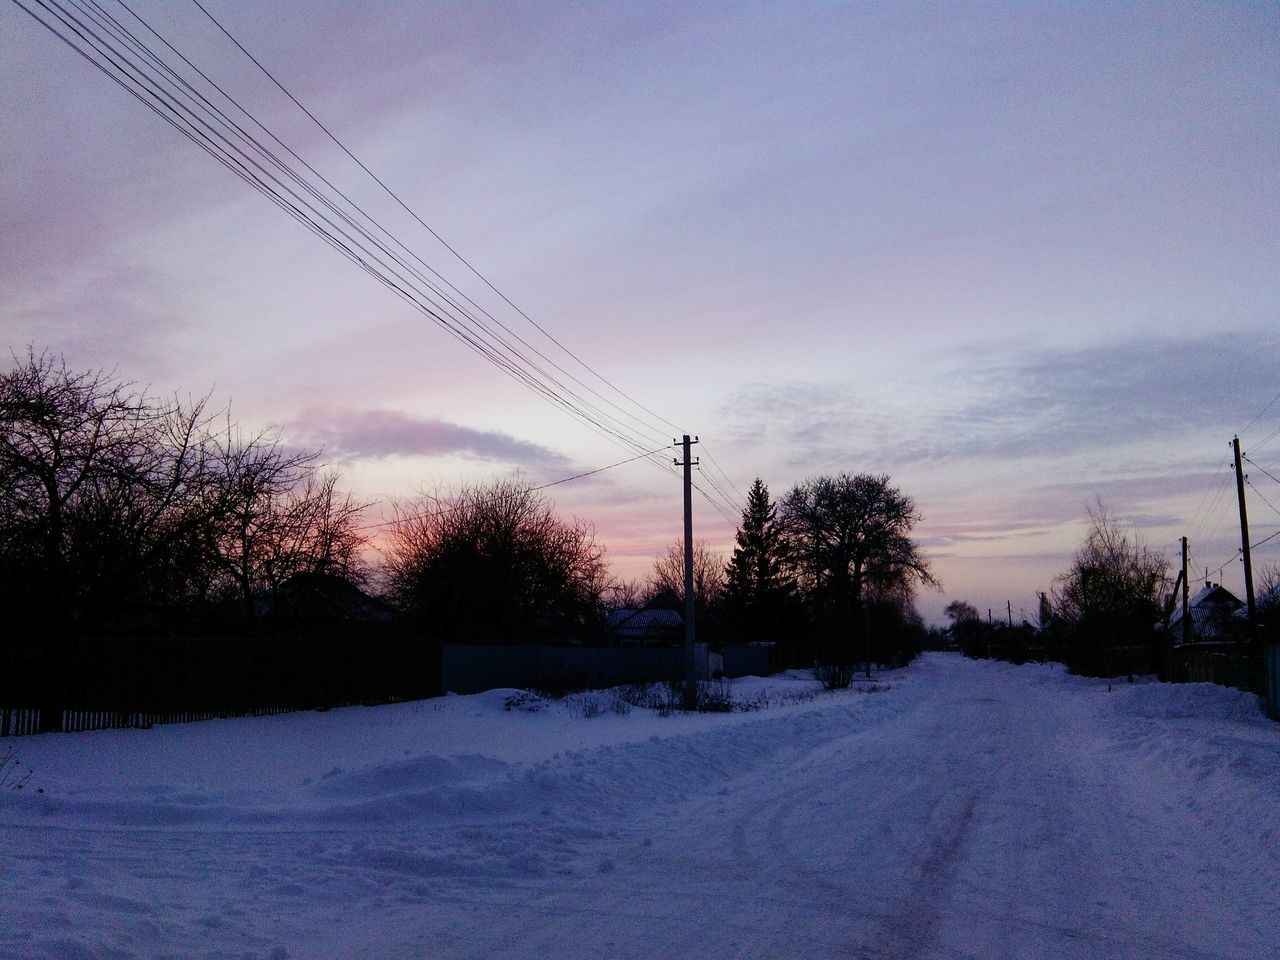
x,y
995,816
970,809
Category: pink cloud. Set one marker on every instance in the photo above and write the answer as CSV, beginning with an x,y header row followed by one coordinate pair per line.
x,y
378,434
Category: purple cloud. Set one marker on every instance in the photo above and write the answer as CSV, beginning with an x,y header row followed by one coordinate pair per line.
x,y
378,434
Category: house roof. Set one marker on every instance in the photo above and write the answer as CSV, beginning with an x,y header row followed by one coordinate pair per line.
x,y
1212,607
644,623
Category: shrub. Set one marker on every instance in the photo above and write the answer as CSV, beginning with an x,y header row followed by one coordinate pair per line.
x,y
834,676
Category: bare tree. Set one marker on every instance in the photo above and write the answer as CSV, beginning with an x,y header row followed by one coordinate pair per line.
x,y
625,594
119,511
667,575
1268,592
277,517
968,630
65,437
494,563
1110,598
1268,599
100,485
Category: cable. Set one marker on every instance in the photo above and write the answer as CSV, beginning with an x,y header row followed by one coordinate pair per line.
x,y
1207,492
726,500
1261,497
741,496
180,104
1263,469
1217,571
1254,546
1201,530
728,518
394,196
372,257
1265,440
730,506
1270,404
352,203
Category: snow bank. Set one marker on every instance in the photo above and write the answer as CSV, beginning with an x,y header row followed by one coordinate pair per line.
x,y
502,752
1017,810
1174,701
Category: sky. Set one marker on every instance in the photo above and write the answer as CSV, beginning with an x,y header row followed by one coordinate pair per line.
x,y
1018,257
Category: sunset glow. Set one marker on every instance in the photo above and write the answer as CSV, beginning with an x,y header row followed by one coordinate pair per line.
x,y
1017,257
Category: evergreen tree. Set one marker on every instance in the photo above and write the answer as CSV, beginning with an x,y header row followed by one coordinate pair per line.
x,y
760,596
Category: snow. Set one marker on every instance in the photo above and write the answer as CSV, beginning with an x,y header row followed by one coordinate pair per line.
x,y
953,809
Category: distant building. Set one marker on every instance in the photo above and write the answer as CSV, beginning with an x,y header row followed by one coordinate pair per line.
x,y
644,628
1217,616
1217,650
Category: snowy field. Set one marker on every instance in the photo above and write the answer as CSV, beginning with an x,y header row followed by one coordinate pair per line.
x,y
961,810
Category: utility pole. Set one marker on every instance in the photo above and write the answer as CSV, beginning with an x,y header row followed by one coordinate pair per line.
x,y
690,661
1186,595
1008,606
1244,546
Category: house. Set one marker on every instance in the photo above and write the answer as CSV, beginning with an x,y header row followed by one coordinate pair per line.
x,y
651,626
1218,648
1217,616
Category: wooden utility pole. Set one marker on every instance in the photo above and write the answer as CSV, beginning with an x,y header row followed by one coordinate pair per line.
x,y
690,660
1008,606
1186,595
1244,545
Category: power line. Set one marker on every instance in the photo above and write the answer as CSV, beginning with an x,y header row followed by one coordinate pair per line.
x,y
725,499
1239,552
1217,571
741,497
193,121
455,290
724,504
1201,531
1261,497
1265,440
391,193
1207,491
1263,469
124,58
716,505
1270,404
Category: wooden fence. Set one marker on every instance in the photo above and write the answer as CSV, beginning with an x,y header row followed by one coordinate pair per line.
x,y
1222,665
140,682
24,721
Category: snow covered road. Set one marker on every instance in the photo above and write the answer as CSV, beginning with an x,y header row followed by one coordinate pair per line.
x,y
969,810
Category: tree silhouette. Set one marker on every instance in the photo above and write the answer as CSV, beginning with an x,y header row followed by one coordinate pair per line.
x,y
761,600
666,579
120,513
494,564
850,535
1107,603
